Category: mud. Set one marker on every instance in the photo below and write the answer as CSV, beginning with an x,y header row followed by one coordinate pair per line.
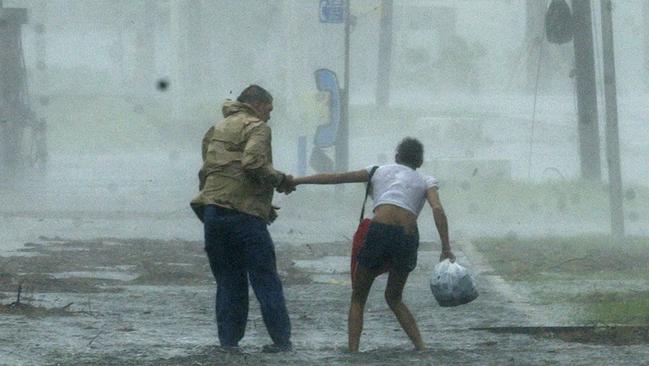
x,y
106,265
608,335
163,320
17,308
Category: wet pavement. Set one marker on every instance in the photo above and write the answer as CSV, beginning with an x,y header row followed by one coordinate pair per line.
x,y
174,325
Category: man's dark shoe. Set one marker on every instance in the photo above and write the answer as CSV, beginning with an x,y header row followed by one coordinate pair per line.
x,y
275,348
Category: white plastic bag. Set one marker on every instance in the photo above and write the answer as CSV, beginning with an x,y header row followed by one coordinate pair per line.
x,y
452,285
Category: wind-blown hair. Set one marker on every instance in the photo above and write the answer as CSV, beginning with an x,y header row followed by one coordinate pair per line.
x,y
410,152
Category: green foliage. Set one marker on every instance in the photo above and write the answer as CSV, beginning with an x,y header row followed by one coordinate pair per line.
x,y
617,308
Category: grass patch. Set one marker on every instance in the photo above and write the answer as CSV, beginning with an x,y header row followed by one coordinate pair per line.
x,y
616,307
578,258
591,256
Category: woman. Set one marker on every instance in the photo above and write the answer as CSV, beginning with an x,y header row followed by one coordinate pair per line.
x,y
398,192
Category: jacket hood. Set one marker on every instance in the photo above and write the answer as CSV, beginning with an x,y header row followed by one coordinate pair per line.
x,y
232,107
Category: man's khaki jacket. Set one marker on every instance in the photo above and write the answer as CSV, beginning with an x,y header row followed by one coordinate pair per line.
x,y
237,170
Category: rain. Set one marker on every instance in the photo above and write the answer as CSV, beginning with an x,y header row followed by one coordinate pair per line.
x,y
532,115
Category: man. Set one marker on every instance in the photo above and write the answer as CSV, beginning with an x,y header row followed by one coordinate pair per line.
x,y
237,181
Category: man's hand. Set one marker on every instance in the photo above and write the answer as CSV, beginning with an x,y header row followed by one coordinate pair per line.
x,y
447,254
273,214
287,186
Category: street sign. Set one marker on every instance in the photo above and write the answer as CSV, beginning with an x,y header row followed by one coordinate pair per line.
x,y
332,11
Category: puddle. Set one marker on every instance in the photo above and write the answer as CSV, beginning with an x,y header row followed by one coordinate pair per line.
x,y
327,264
105,275
112,243
59,249
333,279
331,270
617,335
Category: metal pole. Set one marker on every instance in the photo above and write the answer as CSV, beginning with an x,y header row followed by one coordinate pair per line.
x,y
586,91
645,17
14,103
385,55
342,142
612,135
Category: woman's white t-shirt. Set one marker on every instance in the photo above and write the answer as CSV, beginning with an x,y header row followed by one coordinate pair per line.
x,y
401,186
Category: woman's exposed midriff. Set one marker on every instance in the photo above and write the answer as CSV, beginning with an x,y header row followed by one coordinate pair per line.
x,y
394,215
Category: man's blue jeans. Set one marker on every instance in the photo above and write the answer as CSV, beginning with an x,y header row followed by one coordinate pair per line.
x,y
239,247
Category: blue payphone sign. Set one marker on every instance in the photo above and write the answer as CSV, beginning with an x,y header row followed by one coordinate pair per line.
x,y
332,11
326,81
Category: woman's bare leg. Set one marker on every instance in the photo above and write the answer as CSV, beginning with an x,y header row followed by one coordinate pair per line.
x,y
393,296
361,288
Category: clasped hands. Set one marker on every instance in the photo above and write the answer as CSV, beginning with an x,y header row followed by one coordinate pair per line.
x,y
287,186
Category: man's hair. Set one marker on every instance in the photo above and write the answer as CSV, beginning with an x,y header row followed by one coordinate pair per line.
x,y
410,152
255,94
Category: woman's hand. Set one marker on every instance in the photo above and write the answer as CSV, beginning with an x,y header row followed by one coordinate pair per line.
x,y
447,254
287,186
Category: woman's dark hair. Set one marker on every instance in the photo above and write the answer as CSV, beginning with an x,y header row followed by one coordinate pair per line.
x,y
410,152
255,94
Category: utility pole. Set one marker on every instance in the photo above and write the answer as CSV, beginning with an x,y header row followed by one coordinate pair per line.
x,y
14,108
612,135
40,51
645,18
342,142
586,91
385,55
